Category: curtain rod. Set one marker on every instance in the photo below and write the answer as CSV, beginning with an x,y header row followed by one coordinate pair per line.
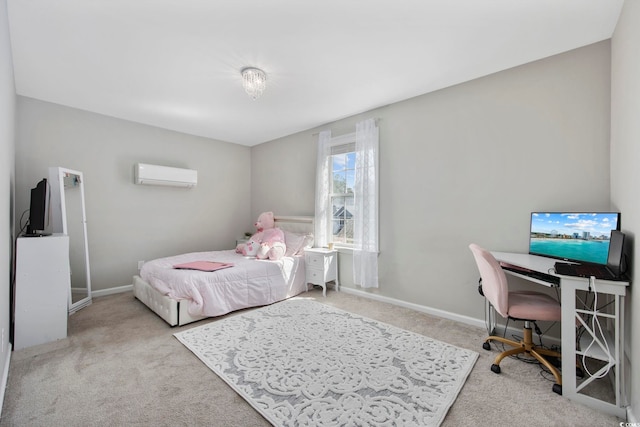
x,y
376,120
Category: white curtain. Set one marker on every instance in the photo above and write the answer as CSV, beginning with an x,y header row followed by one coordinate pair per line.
x,y
322,190
365,236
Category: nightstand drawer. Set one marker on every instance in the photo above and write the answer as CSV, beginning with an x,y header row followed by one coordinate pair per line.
x,y
314,260
315,276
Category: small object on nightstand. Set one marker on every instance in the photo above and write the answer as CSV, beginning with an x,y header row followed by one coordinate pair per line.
x,y
321,266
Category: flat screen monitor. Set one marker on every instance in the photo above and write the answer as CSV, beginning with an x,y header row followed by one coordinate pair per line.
x,y
573,236
38,209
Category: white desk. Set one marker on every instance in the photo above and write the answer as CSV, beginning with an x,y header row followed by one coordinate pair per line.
x,y
611,319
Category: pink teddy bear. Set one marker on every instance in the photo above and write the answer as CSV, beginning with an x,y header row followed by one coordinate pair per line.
x,y
267,243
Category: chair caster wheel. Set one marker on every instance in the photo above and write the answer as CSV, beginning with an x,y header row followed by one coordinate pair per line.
x,y
495,368
486,345
557,388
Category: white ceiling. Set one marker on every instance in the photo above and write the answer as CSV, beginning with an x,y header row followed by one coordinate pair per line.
x,y
176,63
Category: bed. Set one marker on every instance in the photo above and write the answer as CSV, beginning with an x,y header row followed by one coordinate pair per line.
x,y
182,296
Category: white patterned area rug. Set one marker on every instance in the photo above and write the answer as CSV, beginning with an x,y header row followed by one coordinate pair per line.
x,y
303,363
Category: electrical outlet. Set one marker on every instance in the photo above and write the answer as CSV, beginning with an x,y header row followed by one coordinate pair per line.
x,y
140,264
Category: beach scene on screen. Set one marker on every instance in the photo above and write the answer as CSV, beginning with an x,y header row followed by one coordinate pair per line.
x,y
574,236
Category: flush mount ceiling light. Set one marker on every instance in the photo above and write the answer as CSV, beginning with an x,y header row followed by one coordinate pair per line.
x,y
254,81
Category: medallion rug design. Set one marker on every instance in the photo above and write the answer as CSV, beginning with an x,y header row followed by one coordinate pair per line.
x,y
303,363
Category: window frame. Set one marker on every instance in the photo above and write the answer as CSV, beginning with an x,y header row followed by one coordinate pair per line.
x,y
342,140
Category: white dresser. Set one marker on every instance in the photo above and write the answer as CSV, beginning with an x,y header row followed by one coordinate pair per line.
x,y
321,266
42,290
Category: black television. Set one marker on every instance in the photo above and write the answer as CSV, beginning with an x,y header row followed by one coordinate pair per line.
x,y
581,237
38,210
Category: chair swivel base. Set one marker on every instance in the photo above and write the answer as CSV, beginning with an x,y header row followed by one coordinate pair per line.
x,y
526,346
557,388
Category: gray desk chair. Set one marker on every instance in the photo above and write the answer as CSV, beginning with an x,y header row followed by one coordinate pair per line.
x,y
524,306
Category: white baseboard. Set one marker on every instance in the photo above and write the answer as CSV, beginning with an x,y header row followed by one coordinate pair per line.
x,y
631,418
110,291
417,307
5,376
439,313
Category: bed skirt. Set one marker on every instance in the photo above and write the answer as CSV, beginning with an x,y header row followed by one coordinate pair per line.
x,y
170,310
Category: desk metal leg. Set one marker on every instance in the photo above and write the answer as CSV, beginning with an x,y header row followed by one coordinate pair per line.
x,y
572,316
568,331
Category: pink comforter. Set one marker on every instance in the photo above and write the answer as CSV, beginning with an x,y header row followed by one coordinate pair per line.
x,y
249,283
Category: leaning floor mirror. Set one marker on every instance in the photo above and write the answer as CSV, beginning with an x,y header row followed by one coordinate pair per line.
x,y
68,216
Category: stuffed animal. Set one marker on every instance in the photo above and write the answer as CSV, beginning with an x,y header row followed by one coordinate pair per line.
x,y
270,240
250,248
273,246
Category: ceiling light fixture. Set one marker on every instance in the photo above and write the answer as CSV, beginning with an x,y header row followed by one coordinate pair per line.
x,y
254,81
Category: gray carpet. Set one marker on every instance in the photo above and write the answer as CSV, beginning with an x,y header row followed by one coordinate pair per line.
x,y
121,366
304,363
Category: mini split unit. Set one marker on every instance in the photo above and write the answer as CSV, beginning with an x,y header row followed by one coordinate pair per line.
x,y
165,175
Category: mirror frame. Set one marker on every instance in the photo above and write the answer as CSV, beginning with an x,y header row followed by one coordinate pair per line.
x,y
58,217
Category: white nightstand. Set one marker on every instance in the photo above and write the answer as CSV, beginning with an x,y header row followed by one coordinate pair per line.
x,y
321,266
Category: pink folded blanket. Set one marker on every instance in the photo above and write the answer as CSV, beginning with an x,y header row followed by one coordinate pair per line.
x,y
203,265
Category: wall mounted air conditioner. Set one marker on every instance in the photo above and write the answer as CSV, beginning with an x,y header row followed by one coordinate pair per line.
x,y
165,175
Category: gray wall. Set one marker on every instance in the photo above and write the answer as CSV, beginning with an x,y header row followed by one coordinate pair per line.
x,y
7,144
465,164
625,157
128,222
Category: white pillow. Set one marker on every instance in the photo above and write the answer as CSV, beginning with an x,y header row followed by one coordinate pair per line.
x,y
296,242
308,243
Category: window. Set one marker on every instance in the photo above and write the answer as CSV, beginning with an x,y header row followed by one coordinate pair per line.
x,y
342,165
346,211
